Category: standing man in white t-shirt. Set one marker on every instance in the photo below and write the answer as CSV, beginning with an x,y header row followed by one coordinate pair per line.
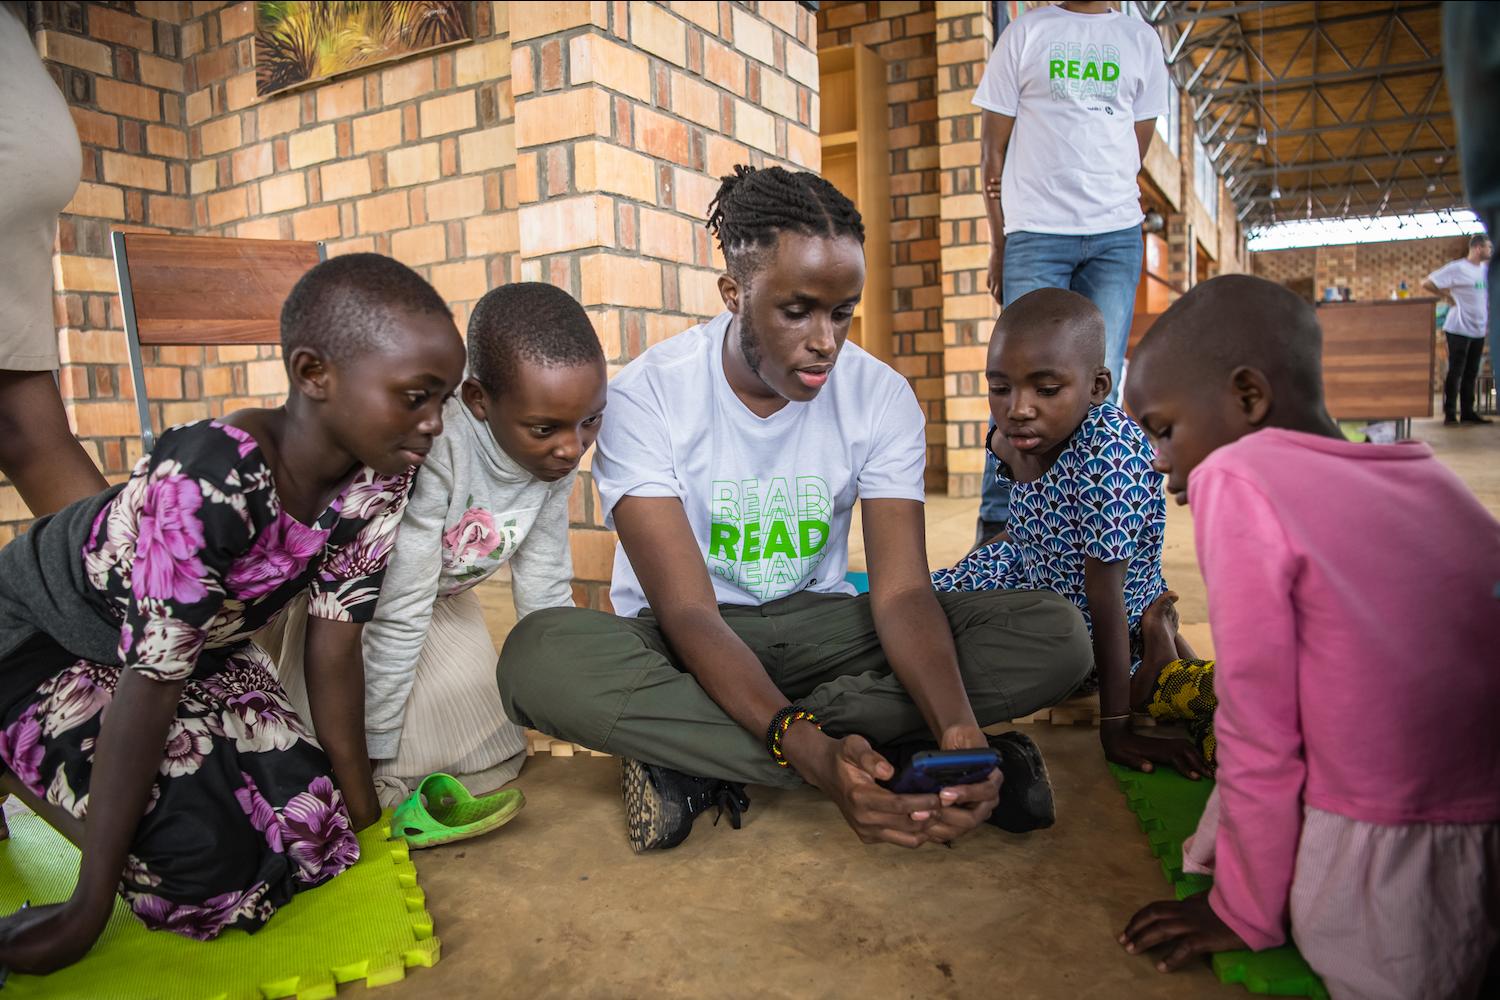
x,y
729,462
1071,95
1464,283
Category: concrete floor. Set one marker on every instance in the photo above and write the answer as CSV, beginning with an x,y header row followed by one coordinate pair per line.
x,y
793,905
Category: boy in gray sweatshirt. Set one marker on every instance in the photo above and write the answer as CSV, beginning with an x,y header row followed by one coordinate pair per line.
x,y
494,491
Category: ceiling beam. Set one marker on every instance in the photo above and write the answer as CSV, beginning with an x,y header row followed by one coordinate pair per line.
x,y
1249,138
1188,17
1412,189
1352,161
1327,207
1290,84
1334,205
1324,22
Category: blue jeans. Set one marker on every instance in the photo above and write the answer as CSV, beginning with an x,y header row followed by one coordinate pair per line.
x,y
1106,267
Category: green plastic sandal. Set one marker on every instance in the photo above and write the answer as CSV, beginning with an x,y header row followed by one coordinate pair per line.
x,y
442,811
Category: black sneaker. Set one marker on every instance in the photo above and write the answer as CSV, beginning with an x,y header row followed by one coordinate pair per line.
x,y
1025,794
1450,421
1474,418
661,804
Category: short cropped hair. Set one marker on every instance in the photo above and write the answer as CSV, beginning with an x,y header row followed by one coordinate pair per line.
x,y
1057,313
528,321
345,306
1238,320
1477,239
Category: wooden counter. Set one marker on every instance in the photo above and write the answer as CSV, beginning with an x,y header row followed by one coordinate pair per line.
x,y
1378,358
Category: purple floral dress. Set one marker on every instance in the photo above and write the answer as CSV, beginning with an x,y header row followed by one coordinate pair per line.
x,y
191,558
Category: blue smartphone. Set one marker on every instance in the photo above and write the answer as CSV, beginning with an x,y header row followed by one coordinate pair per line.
x,y
933,770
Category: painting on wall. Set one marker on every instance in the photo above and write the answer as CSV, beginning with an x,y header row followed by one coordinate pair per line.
x,y
297,43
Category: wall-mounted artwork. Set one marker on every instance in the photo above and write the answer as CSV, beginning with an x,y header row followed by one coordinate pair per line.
x,y
302,42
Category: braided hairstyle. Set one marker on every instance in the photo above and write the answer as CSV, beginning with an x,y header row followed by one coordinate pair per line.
x,y
754,206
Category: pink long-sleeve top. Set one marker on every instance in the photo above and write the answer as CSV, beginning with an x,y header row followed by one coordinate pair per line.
x,y
1351,596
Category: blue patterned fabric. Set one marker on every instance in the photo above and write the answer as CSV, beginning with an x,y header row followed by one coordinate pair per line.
x,y
1100,499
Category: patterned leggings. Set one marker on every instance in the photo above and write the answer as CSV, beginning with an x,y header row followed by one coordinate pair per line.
x,y
1185,693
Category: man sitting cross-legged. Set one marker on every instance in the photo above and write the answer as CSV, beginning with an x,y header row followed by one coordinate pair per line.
x,y
729,464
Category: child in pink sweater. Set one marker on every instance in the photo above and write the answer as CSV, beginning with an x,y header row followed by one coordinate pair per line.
x,y
1351,592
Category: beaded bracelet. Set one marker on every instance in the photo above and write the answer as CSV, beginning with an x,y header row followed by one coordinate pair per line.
x,y
780,723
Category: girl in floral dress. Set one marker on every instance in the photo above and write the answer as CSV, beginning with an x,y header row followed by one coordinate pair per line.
x,y
136,715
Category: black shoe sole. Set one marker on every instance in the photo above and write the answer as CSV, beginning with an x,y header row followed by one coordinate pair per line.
x,y
653,822
1026,802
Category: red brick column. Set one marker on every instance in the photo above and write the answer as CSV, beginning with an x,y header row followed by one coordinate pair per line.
x,y
963,44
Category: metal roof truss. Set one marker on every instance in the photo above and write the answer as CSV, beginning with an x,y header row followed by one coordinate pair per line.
x,y
1297,144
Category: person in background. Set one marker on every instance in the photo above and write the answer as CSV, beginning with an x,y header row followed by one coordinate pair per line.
x,y
40,165
1071,95
1471,57
1463,283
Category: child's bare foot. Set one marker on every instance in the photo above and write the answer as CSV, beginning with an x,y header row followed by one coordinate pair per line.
x,y
1163,612
1159,625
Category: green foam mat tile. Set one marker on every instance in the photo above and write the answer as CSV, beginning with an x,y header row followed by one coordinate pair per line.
x,y
369,923
1167,806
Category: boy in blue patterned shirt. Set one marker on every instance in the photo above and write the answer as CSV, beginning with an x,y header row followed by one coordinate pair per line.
x,y
1087,521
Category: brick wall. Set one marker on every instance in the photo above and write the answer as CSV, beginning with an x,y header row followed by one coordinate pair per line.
x,y
575,142
413,159
904,35
1190,227
1370,270
409,159
626,116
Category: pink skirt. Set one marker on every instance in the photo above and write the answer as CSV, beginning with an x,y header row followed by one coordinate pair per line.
x,y
1401,912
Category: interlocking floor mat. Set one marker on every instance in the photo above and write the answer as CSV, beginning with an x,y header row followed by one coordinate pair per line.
x,y
1167,805
369,923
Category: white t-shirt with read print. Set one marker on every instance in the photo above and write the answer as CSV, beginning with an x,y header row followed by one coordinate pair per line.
x,y
1467,282
768,498
1076,84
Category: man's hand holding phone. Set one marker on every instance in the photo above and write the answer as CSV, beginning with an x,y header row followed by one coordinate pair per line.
x,y
966,775
851,773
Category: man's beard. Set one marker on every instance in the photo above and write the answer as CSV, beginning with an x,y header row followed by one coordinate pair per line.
x,y
750,346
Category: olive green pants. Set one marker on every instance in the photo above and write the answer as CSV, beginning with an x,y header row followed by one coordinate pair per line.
x,y
612,683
